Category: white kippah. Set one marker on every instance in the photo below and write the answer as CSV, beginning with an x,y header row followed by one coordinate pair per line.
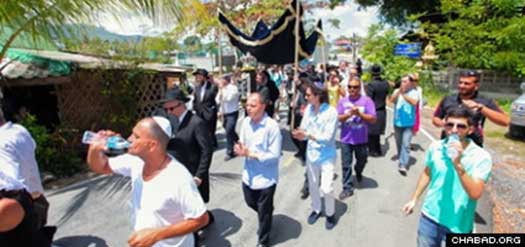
x,y
164,124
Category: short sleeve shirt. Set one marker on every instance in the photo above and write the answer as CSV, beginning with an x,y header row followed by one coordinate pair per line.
x,y
446,201
17,156
453,101
169,198
355,130
404,112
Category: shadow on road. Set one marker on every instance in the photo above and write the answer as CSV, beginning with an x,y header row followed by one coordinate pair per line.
x,y
340,209
284,228
106,186
226,224
367,183
80,241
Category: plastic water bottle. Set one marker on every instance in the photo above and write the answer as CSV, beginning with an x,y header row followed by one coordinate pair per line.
x,y
115,145
451,151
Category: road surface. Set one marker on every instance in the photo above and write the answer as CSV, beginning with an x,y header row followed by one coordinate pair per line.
x,y
95,213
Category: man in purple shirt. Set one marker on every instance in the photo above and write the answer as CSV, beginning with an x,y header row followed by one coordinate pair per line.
x,y
355,112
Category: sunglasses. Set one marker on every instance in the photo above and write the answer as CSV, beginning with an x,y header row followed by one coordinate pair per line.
x,y
458,126
168,109
353,87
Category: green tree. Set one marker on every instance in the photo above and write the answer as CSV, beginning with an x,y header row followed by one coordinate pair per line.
x,y
378,48
46,19
486,34
396,12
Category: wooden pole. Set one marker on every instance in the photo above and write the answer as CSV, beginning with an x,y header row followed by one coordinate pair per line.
x,y
220,51
323,56
296,62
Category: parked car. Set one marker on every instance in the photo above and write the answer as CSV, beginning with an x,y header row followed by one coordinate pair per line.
x,y
517,122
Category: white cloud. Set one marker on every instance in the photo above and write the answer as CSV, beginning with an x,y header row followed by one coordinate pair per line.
x,y
131,24
353,20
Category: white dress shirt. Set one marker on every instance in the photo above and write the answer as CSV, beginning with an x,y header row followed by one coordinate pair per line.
x,y
17,156
228,97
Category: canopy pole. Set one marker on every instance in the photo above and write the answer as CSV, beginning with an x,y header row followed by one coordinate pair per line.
x,y
323,56
296,62
219,52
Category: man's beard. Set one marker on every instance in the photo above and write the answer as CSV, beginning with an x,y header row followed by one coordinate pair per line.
x,y
468,94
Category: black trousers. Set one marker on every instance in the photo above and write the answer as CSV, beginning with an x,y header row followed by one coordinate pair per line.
x,y
25,234
374,144
261,201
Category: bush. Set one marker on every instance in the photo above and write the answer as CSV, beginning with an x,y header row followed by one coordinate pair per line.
x,y
52,154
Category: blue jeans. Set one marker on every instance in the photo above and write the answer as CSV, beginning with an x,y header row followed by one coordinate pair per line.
x,y
403,136
230,120
430,233
361,156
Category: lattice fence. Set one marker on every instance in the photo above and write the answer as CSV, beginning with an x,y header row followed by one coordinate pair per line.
x,y
83,105
149,93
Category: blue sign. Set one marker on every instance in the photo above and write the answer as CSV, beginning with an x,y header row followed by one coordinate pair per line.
x,y
411,50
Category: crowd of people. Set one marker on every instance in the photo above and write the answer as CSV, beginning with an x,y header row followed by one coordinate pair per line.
x,y
170,153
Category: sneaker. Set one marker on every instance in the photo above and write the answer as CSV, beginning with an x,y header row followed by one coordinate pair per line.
x,y
345,194
330,222
402,170
394,158
359,177
314,216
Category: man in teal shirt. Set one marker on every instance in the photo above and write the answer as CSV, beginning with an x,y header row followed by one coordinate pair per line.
x,y
455,174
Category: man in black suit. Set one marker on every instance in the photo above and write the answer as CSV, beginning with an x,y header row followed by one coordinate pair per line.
x,y
377,90
191,143
204,101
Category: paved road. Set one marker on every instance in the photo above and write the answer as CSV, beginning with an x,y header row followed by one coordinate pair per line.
x,y
95,213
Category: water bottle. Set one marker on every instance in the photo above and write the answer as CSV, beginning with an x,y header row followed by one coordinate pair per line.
x,y
451,151
115,145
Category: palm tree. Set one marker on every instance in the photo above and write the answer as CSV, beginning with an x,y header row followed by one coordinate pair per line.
x,y
46,19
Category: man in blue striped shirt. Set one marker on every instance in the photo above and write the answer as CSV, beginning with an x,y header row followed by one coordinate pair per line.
x,y
318,126
260,143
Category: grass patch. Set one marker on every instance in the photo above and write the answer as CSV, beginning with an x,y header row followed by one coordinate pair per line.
x,y
433,96
505,104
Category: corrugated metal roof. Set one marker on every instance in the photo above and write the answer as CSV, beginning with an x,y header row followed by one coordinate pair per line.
x,y
24,68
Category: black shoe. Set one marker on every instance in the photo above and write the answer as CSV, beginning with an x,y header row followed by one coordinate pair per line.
x,y
359,177
345,194
373,154
402,170
229,157
314,216
330,222
297,155
394,158
304,193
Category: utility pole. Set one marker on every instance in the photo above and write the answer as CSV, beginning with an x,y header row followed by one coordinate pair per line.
x,y
354,48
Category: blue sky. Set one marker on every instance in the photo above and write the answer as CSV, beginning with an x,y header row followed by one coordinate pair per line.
x,y
352,20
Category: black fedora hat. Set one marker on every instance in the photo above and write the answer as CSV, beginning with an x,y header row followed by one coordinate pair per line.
x,y
202,72
375,70
175,94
